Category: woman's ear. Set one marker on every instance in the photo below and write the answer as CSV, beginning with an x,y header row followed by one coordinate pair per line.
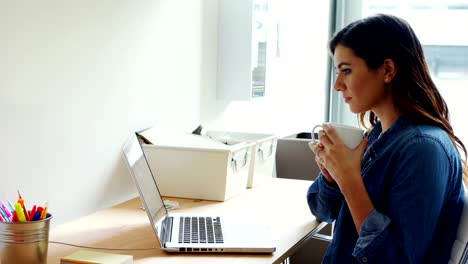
x,y
390,70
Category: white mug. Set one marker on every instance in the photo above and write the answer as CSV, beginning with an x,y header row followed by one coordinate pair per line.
x,y
351,136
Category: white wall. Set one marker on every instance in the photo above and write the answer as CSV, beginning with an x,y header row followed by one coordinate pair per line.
x,y
76,77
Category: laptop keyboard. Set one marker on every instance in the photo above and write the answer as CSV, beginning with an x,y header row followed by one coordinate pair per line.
x,y
200,230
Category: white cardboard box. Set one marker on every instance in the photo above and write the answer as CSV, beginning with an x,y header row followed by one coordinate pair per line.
x,y
198,167
294,159
263,153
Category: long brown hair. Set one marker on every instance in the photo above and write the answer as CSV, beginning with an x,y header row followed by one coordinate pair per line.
x,y
414,93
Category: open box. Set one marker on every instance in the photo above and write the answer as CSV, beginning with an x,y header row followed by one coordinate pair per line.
x,y
294,159
199,167
263,153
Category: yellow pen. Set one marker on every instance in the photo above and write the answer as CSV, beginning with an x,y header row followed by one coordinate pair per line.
x,y
44,211
20,212
21,201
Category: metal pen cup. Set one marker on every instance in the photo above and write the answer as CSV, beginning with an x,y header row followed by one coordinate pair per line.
x,y
24,242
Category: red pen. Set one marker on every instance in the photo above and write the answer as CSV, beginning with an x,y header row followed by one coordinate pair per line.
x,y
33,212
15,217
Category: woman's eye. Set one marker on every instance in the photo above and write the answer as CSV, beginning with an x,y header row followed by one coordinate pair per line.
x,y
346,71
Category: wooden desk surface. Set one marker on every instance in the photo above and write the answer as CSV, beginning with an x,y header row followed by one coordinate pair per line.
x,y
279,203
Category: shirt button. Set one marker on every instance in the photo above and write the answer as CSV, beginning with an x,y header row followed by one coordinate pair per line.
x,y
364,259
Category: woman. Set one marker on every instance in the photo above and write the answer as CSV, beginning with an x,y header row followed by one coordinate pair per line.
x,y
397,197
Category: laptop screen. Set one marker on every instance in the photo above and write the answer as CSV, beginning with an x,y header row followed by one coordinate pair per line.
x,y
144,180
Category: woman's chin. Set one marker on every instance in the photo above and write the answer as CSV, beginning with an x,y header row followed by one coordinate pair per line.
x,y
356,110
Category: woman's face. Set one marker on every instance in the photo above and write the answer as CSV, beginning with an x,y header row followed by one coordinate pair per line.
x,y
362,88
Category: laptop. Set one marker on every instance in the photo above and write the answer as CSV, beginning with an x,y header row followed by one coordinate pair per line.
x,y
191,233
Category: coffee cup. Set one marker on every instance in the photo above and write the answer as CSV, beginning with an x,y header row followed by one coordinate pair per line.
x,y
350,135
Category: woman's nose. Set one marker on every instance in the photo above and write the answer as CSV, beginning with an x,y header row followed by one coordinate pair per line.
x,y
339,85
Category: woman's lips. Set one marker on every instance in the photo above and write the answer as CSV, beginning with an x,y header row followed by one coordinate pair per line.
x,y
347,99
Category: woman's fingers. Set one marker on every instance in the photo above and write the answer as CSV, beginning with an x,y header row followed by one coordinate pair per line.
x,y
331,134
315,147
324,139
325,173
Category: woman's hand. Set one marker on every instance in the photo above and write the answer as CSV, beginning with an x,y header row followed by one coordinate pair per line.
x,y
340,162
317,149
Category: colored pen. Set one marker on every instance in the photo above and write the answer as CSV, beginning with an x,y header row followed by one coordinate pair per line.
x,y
21,201
15,217
11,206
37,216
6,210
44,211
4,215
32,213
20,212
2,219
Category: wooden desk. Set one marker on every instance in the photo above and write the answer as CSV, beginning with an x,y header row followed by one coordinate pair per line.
x,y
280,204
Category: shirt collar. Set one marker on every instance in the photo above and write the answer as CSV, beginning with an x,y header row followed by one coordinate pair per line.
x,y
377,141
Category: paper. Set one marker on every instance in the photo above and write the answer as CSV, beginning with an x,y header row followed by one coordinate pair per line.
x,y
94,257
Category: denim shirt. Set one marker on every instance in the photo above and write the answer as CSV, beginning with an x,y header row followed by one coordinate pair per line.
x,y
413,175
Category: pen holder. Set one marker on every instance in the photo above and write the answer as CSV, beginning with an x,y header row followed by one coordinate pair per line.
x,y
24,242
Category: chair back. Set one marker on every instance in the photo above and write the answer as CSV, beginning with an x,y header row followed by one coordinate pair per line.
x,y
459,254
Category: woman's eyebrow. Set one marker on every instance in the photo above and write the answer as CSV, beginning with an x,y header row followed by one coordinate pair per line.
x,y
343,63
